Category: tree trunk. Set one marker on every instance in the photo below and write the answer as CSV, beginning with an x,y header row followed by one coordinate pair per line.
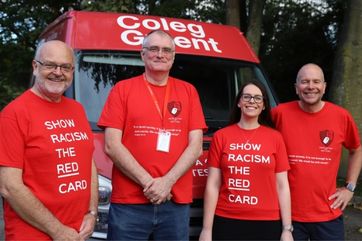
x,y
346,86
255,21
232,13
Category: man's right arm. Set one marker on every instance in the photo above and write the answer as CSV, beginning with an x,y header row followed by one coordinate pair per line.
x,y
123,159
29,208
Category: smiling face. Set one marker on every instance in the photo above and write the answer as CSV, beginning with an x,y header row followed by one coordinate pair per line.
x,y
310,86
51,83
158,52
251,102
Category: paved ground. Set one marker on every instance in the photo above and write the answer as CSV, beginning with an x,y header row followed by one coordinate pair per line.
x,y
352,218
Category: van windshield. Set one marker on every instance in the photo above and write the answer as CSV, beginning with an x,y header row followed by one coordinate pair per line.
x,y
217,81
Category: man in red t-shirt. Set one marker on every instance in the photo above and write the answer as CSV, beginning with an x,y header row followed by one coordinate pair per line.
x,y
47,176
153,134
314,132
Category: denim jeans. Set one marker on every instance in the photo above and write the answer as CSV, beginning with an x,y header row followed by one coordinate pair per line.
x,y
329,230
167,221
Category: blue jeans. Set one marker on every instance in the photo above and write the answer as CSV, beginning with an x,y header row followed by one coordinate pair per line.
x,y
167,221
329,230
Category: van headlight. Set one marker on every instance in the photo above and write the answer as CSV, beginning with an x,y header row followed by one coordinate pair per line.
x,y
104,197
104,190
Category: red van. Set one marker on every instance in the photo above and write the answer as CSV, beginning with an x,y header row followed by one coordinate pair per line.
x,y
215,58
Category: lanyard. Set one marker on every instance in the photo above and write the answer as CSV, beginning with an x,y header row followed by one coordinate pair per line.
x,y
155,101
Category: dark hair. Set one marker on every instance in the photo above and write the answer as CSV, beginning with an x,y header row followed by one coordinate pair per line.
x,y
264,117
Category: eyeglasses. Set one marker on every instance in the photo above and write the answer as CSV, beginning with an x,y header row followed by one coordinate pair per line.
x,y
155,50
257,98
65,68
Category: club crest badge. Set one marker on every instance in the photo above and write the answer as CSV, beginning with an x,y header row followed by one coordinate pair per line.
x,y
326,137
174,107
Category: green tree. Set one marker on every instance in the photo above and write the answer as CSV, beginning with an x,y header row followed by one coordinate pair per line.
x,y
247,16
295,33
346,87
21,22
254,30
15,71
233,13
126,6
202,10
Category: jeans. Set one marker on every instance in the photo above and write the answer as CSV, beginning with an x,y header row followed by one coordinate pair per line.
x,y
329,230
166,221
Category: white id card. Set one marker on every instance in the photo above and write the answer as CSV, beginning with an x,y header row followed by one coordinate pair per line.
x,y
163,141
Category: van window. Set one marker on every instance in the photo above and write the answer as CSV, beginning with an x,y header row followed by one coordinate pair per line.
x,y
217,81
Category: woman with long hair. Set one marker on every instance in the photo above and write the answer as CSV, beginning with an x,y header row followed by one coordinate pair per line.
x,y
247,192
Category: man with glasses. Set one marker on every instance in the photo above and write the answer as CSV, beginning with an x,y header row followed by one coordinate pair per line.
x,y
314,132
47,178
153,134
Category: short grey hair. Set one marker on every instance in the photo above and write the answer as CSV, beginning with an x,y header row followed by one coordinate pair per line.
x,y
159,32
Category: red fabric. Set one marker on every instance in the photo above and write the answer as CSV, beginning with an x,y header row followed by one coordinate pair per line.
x,y
250,166
314,164
31,142
131,109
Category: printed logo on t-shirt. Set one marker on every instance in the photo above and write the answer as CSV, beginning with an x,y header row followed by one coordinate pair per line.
x,y
326,137
238,183
65,147
174,107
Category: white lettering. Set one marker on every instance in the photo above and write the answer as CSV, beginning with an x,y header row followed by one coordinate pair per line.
x,y
65,152
239,184
183,42
239,170
251,200
214,45
50,125
69,137
198,163
245,146
196,30
121,22
151,24
72,187
249,158
199,172
132,36
67,167
178,26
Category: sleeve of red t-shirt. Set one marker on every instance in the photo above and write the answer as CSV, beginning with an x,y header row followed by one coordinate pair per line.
x,y
215,151
114,108
12,134
352,139
281,155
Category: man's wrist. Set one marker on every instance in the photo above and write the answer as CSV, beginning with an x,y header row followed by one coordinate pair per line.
x,y
350,186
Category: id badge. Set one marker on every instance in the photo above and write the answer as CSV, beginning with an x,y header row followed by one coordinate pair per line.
x,y
163,141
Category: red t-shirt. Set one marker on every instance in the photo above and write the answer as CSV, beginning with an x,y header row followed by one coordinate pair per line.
x,y
249,161
131,108
53,144
314,144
